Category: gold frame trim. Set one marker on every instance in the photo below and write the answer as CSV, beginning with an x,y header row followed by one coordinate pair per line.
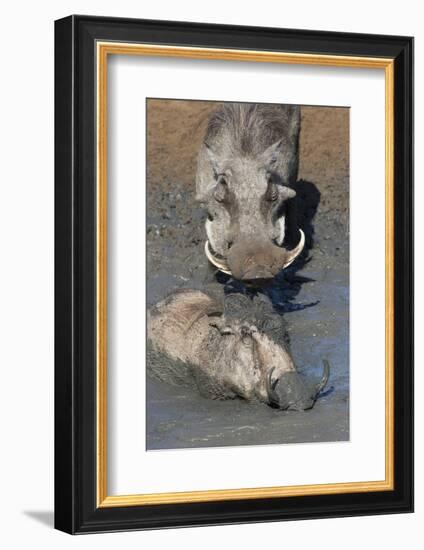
x,y
103,50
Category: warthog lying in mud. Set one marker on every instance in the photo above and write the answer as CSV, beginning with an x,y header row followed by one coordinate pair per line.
x,y
238,350
246,167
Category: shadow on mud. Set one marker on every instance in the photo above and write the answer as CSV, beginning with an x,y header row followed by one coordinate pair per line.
x,y
326,393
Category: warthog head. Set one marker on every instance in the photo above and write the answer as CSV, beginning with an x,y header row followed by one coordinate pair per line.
x,y
233,349
256,367
289,392
256,364
246,165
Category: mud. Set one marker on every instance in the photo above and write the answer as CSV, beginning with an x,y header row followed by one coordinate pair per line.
x,y
313,294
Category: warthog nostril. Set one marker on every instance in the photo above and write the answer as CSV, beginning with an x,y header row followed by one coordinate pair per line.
x,y
257,273
230,244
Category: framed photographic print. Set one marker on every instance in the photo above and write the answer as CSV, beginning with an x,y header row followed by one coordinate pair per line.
x,y
233,265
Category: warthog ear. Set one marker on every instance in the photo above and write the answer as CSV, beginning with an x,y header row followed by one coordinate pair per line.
x,y
273,152
213,159
294,122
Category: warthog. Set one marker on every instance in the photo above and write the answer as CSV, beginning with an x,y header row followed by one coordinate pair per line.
x,y
246,167
238,350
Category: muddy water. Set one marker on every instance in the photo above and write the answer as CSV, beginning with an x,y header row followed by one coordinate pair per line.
x,y
180,418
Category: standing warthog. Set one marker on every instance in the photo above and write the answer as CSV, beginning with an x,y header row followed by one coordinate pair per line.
x,y
234,351
246,165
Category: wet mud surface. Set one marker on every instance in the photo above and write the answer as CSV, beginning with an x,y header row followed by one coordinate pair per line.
x,y
313,294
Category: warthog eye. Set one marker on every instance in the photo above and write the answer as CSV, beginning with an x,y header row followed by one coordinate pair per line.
x,y
221,188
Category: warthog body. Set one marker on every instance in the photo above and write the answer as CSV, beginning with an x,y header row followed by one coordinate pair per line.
x,y
238,350
246,169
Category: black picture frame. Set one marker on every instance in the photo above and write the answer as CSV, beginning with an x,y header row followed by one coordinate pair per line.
x,y
76,509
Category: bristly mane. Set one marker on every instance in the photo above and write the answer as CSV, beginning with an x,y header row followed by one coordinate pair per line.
x,y
249,128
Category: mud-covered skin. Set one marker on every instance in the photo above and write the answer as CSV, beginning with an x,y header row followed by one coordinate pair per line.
x,y
237,350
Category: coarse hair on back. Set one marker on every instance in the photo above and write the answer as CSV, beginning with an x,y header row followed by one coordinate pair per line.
x,y
249,128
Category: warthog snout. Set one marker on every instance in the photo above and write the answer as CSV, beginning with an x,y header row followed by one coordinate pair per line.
x,y
254,260
289,392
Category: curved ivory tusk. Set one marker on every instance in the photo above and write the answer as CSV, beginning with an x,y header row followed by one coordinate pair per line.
x,y
270,387
325,376
293,254
220,264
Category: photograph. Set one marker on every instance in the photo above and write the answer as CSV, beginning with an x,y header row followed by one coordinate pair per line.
x,y
247,273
